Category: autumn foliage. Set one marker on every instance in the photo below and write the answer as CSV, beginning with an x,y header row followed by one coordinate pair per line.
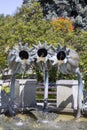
x,y
62,24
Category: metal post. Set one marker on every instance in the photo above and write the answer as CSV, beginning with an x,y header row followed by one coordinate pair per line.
x,y
46,88
12,92
80,94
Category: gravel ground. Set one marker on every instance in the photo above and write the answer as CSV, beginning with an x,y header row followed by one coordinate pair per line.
x,y
38,120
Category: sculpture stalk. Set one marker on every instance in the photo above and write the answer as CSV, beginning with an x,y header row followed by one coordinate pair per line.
x,y
80,94
46,84
12,96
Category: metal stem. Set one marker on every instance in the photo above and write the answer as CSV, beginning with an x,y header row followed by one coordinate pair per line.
x,y
80,94
12,92
46,88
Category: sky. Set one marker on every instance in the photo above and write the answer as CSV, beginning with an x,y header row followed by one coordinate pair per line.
x,y
9,7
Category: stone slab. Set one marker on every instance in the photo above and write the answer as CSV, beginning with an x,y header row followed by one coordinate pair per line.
x,y
27,93
67,92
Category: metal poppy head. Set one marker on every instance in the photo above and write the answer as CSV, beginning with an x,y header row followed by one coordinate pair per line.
x,y
66,59
60,56
19,58
41,52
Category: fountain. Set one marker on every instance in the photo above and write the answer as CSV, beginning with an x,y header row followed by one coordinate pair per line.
x,y
19,60
44,56
67,61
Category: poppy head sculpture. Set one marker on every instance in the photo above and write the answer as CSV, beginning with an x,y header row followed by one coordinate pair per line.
x,y
41,53
66,59
19,58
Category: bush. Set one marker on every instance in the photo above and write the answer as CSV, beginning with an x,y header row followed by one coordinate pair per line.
x,y
62,24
